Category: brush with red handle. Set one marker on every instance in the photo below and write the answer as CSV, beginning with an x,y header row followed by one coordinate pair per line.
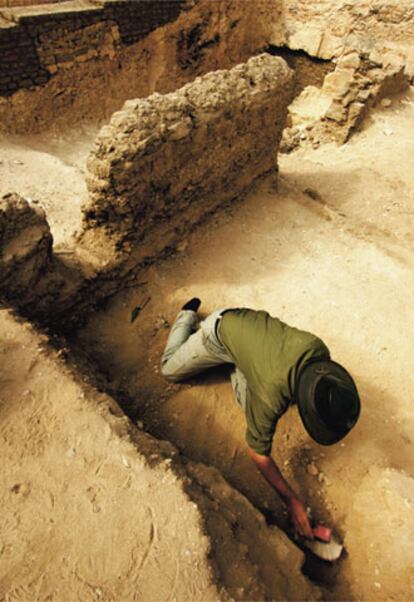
x,y
322,533
324,545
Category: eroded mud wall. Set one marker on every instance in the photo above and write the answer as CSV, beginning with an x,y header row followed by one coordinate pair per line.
x,y
164,161
32,278
369,43
26,246
333,111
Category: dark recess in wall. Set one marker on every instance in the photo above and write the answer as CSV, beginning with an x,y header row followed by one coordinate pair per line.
x,y
290,55
190,47
309,70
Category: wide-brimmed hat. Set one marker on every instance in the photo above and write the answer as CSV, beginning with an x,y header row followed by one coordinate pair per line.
x,y
327,400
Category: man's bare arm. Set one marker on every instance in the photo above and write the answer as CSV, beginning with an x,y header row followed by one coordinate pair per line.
x,y
272,474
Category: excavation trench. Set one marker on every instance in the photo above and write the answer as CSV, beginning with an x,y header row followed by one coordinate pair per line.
x,y
83,297
267,263
123,344
272,251
306,250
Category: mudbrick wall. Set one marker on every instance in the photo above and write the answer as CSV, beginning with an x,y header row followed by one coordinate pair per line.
x,y
163,157
35,43
158,167
91,56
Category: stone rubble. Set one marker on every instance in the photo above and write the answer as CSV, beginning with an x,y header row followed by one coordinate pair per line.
x,y
337,109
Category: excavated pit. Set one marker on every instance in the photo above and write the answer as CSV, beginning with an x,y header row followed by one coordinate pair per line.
x,y
307,250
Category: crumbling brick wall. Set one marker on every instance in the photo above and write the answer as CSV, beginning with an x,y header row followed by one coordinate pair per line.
x,y
170,159
36,43
159,166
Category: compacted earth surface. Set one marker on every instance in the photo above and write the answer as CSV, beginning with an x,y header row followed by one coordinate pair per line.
x,y
329,249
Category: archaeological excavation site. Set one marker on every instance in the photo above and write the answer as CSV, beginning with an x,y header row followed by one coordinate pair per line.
x,y
250,153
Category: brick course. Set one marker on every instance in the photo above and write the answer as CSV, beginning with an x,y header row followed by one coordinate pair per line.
x,y
13,3
39,43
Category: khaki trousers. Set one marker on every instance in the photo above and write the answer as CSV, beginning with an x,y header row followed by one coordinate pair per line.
x,y
190,351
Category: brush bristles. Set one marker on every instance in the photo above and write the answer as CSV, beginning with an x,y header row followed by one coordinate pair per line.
x,y
329,551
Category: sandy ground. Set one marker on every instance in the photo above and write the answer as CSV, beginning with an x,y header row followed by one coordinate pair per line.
x,y
83,515
331,251
48,169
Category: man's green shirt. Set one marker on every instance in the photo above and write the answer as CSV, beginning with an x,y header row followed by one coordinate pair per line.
x,y
270,354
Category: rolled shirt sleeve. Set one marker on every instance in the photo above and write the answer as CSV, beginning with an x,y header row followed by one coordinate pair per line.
x,y
261,426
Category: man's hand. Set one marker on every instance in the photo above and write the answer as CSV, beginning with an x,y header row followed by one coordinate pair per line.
x,y
299,517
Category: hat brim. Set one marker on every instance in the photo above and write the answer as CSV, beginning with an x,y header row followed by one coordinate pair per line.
x,y
305,397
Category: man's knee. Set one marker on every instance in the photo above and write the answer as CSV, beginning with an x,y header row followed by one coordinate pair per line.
x,y
169,374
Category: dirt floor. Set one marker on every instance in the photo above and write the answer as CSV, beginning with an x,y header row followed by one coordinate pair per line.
x,y
330,251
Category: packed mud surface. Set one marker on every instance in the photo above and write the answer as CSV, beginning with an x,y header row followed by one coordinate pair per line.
x,y
330,251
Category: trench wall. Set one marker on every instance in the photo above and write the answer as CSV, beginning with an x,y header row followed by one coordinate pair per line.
x,y
80,61
53,415
36,43
162,160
